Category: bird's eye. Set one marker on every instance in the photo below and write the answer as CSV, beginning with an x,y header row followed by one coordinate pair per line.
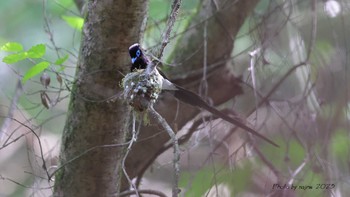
x,y
138,53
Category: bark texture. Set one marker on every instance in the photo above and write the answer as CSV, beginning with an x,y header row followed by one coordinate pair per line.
x,y
110,28
224,19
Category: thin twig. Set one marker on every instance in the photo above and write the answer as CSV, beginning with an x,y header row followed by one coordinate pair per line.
x,y
85,153
44,166
20,184
296,172
80,5
7,142
253,55
162,121
184,138
169,26
313,30
203,87
47,29
133,139
8,119
142,191
268,163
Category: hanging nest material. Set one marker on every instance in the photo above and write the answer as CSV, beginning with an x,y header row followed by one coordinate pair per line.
x,y
142,89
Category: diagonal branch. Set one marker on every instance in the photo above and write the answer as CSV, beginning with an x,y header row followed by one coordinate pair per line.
x,y
6,123
169,26
172,135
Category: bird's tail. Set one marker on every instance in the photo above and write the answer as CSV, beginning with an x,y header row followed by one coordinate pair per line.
x,y
194,99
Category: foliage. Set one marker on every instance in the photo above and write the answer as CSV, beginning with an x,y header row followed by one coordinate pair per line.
x,y
35,52
74,21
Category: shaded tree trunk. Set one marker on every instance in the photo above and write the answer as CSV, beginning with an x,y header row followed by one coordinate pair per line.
x,y
90,166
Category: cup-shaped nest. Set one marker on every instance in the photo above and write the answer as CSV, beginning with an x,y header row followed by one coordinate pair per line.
x,y
142,89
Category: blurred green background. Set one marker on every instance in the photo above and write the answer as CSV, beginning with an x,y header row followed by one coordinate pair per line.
x,y
308,115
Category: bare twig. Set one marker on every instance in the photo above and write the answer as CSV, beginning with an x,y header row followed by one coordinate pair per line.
x,y
142,191
169,26
296,172
48,30
85,153
266,161
20,184
203,87
162,121
8,119
313,30
79,4
253,55
184,138
133,139
7,142
44,166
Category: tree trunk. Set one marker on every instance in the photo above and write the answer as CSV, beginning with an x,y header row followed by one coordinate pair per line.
x,y
91,152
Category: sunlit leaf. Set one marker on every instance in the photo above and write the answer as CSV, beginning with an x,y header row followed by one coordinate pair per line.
x,y
12,47
60,61
74,21
13,58
35,70
36,51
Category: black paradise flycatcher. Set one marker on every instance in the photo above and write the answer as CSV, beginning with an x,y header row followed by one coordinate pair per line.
x,y
140,61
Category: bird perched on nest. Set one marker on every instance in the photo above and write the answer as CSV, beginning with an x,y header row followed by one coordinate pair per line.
x,y
141,62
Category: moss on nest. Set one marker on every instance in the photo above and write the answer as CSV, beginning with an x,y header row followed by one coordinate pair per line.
x,y
141,89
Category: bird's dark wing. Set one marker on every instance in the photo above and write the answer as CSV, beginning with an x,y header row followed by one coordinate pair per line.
x,y
194,99
162,73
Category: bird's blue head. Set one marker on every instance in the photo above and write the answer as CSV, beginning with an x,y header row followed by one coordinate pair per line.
x,y
135,52
138,60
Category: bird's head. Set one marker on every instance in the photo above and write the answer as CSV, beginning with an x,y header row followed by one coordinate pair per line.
x,y
135,52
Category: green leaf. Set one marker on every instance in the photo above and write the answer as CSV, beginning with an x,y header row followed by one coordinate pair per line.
x,y
61,60
35,70
13,58
75,22
37,51
12,47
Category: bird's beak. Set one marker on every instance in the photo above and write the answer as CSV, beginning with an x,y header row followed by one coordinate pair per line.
x,y
133,59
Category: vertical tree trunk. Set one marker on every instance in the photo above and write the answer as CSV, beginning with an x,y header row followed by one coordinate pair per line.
x,y
88,168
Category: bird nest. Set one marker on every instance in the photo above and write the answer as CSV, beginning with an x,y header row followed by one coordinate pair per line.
x,y
142,89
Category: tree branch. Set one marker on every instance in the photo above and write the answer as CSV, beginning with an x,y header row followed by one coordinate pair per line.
x,y
175,142
169,26
6,123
